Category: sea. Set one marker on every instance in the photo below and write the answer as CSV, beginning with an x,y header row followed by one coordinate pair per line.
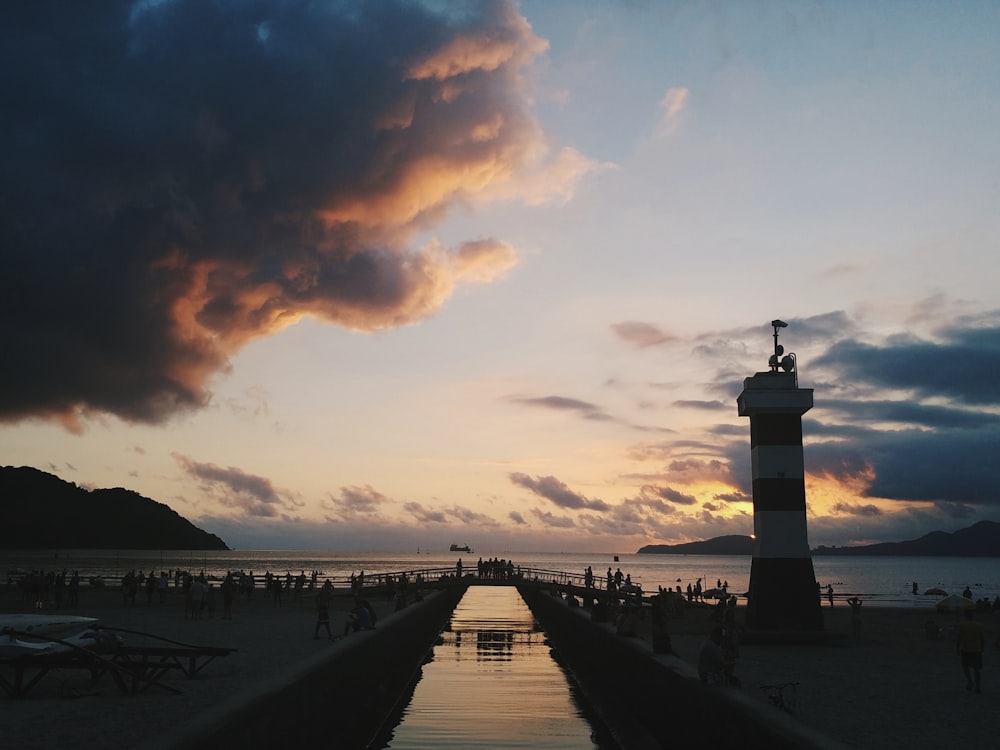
x,y
880,581
492,654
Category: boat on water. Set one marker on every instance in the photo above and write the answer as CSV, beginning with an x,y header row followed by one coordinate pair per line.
x,y
461,548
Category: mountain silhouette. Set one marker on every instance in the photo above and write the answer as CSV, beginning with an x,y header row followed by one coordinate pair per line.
x,y
42,511
733,544
982,539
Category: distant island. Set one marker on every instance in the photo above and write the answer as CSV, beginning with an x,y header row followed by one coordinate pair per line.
x,y
982,539
733,544
42,511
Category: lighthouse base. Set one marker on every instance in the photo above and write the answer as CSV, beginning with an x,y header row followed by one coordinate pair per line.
x,y
783,595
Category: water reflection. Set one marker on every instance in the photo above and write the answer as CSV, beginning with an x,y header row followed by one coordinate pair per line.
x,y
492,683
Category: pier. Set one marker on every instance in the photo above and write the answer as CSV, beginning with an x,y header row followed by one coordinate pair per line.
x,y
640,697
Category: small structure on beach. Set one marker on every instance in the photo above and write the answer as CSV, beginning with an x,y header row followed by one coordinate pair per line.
x,y
783,592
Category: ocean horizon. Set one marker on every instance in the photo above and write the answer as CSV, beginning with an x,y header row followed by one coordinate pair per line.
x,y
882,581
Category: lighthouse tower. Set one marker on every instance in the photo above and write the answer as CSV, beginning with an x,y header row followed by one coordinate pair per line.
x,y
783,592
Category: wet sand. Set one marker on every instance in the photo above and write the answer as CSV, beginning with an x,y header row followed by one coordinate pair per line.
x,y
890,688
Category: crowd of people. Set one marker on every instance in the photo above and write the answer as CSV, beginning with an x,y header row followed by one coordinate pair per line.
x,y
496,569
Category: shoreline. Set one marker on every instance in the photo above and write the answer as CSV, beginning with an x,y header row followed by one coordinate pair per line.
x,y
892,687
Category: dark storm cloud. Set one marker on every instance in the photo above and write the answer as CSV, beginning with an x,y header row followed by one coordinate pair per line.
x,y
944,465
961,367
938,465
911,413
935,443
908,417
556,492
181,177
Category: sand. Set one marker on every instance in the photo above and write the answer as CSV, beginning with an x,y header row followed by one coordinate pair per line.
x,y
892,687
63,711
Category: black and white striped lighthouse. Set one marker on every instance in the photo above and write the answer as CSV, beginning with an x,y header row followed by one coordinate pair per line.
x,y
783,593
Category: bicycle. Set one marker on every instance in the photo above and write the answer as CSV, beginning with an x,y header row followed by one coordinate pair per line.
x,y
778,699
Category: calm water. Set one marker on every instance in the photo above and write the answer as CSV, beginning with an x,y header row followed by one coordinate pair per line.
x,y
884,581
492,683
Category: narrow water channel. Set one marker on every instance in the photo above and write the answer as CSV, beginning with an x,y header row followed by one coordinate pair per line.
x,y
492,683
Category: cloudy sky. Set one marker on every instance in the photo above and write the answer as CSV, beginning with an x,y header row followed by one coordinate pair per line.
x,y
394,275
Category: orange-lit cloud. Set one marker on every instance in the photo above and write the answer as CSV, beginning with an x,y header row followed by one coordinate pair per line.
x,y
148,253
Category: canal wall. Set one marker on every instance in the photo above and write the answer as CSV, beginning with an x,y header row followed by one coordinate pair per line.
x,y
648,700
338,699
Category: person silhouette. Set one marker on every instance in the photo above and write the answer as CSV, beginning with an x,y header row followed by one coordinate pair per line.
x,y
970,644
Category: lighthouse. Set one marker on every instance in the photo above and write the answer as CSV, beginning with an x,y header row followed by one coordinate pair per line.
x,y
783,592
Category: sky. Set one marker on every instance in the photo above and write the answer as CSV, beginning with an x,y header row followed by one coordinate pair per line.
x,y
388,276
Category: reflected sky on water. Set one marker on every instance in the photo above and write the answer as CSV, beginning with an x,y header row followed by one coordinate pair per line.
x,y
492,683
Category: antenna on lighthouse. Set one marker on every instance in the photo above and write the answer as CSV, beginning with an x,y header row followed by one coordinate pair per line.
x,y
775,361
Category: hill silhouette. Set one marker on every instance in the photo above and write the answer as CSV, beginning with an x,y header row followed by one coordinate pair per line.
x,y
733,544
42,511
982,539
979,540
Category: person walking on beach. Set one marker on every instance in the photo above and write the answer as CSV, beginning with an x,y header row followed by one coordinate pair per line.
x,y
855,615
829,593
323,610
970,646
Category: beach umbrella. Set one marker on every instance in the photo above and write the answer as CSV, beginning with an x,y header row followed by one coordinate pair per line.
x,y
954,602
935,592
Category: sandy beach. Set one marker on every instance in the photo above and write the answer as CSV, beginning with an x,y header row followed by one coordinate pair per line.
x,y
892,687
61,711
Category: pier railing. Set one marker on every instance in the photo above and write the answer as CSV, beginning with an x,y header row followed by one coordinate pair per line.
x,y
367,581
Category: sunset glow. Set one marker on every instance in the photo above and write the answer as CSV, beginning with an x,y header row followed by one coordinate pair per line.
x,y
496,273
